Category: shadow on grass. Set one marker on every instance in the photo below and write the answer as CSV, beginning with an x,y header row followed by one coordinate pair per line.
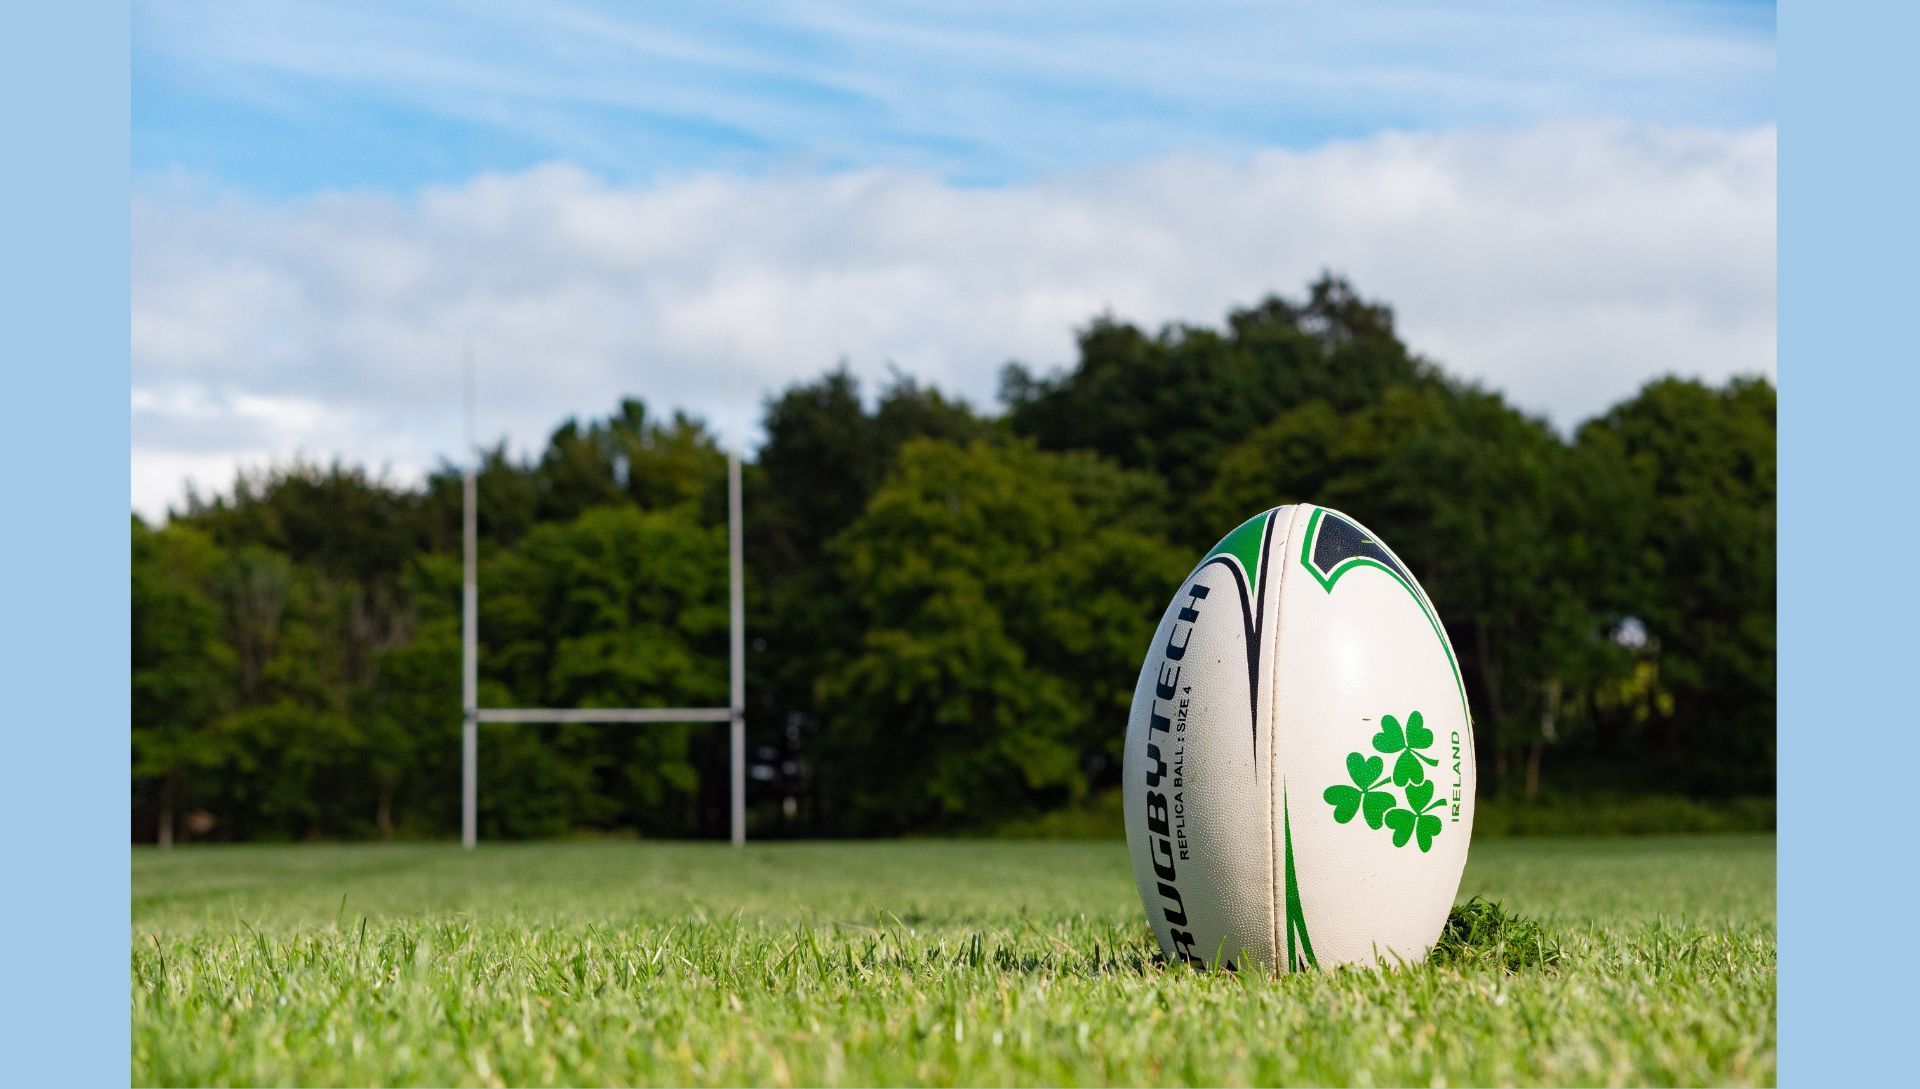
x,y
1479,935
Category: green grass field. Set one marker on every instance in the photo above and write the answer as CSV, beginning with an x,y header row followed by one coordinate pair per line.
x,y
929,962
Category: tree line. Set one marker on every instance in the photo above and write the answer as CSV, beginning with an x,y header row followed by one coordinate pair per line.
x,y
946,608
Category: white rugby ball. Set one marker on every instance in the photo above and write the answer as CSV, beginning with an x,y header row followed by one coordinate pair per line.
x,y
1299,764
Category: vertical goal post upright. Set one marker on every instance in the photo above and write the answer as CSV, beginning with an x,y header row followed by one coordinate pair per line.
x,y
735,714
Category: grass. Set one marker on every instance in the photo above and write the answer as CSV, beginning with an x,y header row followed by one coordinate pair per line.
x,y
1628,961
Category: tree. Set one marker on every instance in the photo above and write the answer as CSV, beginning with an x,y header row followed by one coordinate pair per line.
x,y
411,711
1004,595
825,454
1174,403
617,608
508,504
409,708
630,457
295,767
338,519
182,666
1703,460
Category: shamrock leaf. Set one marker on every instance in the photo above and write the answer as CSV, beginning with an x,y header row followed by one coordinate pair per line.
x,y
1365,771
1345,801
1389,739
1418,821
1402,822
1418,736
1375,805
1407,769
1425,830
1407,742
1418,795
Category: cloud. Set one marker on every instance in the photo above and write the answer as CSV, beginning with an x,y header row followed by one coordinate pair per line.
x,y
1563,263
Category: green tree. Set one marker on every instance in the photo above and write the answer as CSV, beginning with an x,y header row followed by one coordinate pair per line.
x,y
508,508
825,453
1174,403
294,772
1703,461
1004,595
409,712
338,519
617,608
632,458
182,678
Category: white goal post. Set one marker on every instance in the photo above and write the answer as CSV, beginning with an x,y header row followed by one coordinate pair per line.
x,y
735,714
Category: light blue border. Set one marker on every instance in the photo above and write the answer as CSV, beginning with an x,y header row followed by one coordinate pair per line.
x,y
64,301
1849,653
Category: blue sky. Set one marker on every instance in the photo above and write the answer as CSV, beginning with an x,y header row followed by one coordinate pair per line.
x,y
331,198
287,98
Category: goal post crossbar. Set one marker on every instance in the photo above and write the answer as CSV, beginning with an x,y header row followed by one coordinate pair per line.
x,y
604,716
735,715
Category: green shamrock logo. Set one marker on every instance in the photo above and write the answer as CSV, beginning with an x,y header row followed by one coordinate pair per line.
x,y
1392,739
1364,796
1416,821
1372,797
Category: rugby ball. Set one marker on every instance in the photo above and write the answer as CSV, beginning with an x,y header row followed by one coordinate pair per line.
x,y
1299,769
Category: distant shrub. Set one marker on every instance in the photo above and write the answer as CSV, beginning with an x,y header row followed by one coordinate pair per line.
x,y
1620,815
1099,817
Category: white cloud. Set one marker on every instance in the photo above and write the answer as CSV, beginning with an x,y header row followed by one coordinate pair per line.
x,y
1564,263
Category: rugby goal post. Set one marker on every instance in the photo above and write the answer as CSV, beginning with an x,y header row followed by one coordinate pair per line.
x,y
734,715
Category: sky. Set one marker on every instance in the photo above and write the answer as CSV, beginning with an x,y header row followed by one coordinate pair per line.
x,y
700,205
